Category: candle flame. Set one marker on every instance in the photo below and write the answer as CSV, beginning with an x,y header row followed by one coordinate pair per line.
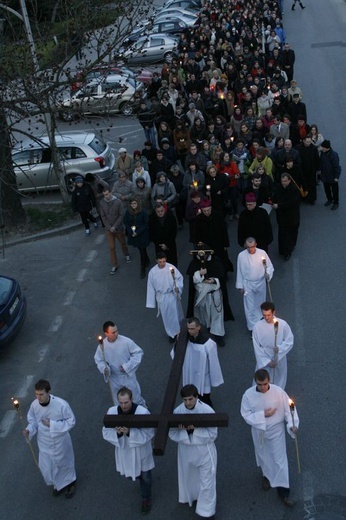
x,y
291,403
15,403
171,269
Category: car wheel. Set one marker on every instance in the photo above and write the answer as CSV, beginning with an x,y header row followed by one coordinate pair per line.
x,y
126,109
168,57
69,179
67,115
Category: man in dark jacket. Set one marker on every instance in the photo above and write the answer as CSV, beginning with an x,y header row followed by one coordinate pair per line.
x,y
146,117
83,200
211,229
311,164
330,173
163,231
254,222
286,201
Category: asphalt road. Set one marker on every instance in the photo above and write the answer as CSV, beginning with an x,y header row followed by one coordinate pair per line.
x,y
70,294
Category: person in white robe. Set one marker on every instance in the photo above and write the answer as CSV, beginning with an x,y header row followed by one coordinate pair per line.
x,y
270,352
265,407
164,289
118,359
201,363
197,456
133,450
208,303
51,418
252,277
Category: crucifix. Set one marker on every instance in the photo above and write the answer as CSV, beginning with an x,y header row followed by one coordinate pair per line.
x,y
166,419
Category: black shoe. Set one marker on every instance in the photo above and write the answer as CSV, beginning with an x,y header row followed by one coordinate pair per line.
x,y
334,207
70,490
328,203
302,6
293,7
57,493
171,340
146,506
287,257
287,501
265,484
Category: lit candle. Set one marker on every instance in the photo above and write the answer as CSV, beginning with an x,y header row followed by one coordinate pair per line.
x,y
133,229
15,403
195,184
208,187
100,340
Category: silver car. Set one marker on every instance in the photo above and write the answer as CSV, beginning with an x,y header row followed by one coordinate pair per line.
x,y
79,153
151,49
109,94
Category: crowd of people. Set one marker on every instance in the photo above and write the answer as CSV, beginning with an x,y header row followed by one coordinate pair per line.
x,y
227,137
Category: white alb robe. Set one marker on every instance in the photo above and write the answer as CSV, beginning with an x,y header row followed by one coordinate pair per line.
x,y
268,433
133,453
209,304
121,352
202,366
263,338
160,291
251,278
197,462
56,457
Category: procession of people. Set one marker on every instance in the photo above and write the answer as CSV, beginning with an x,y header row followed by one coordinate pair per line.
x,y
236,151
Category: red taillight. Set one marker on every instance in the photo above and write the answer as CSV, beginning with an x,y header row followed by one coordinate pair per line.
x,y
100,160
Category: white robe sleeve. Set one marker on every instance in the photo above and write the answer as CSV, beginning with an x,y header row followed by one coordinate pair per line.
x,y
270,267
179,279
65,424
287,342
253,418
32,426
151,295
136,354
101,364
239,281
216,378
262,357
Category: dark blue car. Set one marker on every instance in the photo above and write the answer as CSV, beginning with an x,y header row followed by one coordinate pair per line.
x,y
12,309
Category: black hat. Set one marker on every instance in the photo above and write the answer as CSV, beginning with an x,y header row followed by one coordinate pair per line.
x,y
325,144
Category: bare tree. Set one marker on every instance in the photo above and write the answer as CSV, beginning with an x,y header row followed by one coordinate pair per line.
x,y
28,95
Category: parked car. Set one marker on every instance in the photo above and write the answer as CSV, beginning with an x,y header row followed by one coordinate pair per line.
x,y
176,12
79,153
12,310
151,49
105,69
164,16
194,5
104,95
172,26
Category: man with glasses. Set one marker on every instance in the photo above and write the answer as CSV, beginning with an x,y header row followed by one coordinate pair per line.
x,y
254,269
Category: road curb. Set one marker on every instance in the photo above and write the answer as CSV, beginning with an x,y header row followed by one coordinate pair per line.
x,y
45,234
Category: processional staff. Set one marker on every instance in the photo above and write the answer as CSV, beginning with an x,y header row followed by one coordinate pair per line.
x,y
291,405
102,347
16,406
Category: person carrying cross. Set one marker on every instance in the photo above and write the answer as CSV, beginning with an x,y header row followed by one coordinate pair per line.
x,y
197,457
133,450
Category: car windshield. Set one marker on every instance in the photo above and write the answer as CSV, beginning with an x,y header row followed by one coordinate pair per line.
x,y
98,145
5,289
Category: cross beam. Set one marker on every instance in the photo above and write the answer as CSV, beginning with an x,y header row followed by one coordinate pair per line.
x,y
166,419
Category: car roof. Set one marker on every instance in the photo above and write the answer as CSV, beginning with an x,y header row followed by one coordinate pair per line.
x,y
161,35
61,138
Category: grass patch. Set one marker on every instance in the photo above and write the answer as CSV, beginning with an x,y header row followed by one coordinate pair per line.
x,y
41,219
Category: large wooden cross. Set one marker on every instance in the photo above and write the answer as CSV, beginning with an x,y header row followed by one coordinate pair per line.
x,y
166,419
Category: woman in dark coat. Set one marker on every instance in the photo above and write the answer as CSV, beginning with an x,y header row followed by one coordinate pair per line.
x,y
136,229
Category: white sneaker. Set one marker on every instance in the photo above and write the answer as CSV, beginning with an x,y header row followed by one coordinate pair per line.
x,y
128,259
114,270
87,231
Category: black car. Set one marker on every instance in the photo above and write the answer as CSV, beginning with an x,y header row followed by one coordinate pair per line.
x,y
12,309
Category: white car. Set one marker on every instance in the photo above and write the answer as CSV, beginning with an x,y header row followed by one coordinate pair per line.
x,y
103,95
151,49
79,153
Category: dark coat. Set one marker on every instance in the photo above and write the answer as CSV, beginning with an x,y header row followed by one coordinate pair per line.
x,y
255,223
311,164
140,220
83,198
164,231
218,190
330,166
288,201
